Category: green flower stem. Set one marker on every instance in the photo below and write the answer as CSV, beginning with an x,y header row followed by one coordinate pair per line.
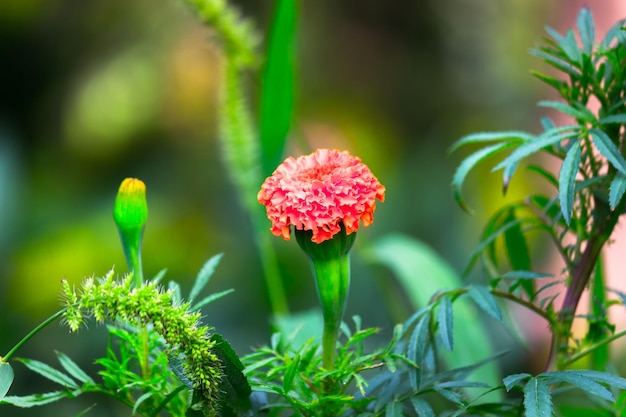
x,y
32,333
131,242
333,282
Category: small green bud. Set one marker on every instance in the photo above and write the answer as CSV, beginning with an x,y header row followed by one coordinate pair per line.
x,y
131,213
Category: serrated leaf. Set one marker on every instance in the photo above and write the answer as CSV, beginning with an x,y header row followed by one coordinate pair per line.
x,y
210,298
49,372
417,347
567,180
511,381
73,369
617,189
485,300
605,378
578,380
278,84
445,319
422,408
36,400
614,118
393,409
466,166
608,149
546,139
582,114
508,136
586,29
537,399
205,274
6,378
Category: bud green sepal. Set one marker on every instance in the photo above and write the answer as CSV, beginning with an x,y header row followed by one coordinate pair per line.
x,y
331,267
131,213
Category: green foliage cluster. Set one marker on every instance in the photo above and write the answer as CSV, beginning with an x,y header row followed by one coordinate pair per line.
x,y
161,360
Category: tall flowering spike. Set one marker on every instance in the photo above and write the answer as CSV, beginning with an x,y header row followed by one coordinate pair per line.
x,y
319,191
131,213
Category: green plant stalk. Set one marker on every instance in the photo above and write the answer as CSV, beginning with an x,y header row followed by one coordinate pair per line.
x,y
32,333
332,277
131,243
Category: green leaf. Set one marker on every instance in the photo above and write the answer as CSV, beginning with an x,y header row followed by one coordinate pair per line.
x,y
517,249
73,369
567,179
605,378
417,347
558,85
607,148
6,378
485,300
140,400
422,408
445,319
393,409
467,164
578,380
290,373
614,118
557,62
49,372
586,29
537,399
234,387
526,275
278,84
422,273
581,113
568,44
205,274
35,400
210,298
617,189
175,289
510,136
548,138
512,380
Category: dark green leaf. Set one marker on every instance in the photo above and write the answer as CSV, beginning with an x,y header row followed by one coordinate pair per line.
x,y
204,276
512,380
49,372
582,113
511,136
617,189
234,387
417,347
73,369
614,118
578,380
537,399
445,319
607,148
548,176
546,139
278,84
517,250
525,275
485,300
290,373
6,378
422,408
567,180
467,164
553,82
586,29
393,409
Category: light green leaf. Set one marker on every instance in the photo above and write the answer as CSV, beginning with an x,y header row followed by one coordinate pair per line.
x,y
617,189
278,84
578,113
607,148
586,29
445,319
205,274
614,118
35,400
578,380
210,298
604,377
140,400
511,381
467,164
537,399
508,136
49,372
485,300
73,369
422,273
526,275
557,62
6,378
567,179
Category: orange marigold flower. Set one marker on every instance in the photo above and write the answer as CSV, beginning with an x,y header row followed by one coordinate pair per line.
x,y
319,191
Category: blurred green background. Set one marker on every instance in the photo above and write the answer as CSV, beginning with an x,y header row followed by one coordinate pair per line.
x,y
95,91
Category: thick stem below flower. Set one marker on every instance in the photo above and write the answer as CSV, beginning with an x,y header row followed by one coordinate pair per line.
x,y
332,277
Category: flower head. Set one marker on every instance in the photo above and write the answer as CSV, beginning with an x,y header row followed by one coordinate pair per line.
x,y
319,191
